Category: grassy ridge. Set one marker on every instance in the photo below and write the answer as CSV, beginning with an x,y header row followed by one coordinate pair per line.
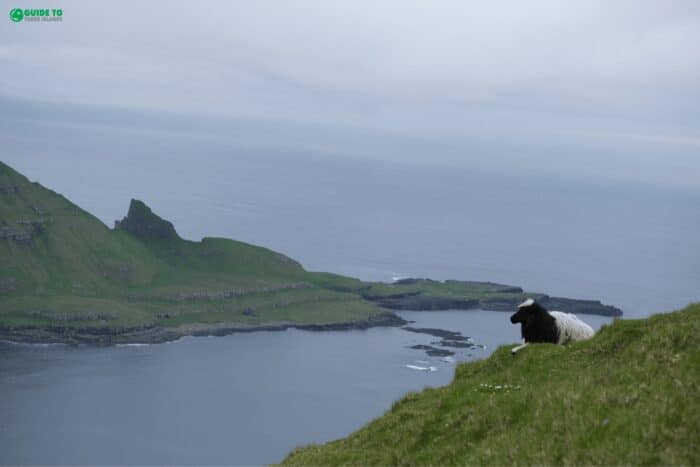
x,y
628,396
62,267
64,272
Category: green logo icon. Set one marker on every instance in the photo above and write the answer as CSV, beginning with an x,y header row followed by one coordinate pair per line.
x,y
16,15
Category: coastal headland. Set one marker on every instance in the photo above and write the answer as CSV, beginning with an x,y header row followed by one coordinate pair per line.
x,y
67,277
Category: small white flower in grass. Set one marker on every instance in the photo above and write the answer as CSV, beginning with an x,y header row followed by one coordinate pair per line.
x,y
499,387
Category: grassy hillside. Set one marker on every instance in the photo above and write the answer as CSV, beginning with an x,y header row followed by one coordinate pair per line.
x,y
628,396
64,272
61,267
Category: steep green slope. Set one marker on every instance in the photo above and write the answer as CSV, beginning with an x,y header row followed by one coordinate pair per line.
x,y
49,245
627,396
63,269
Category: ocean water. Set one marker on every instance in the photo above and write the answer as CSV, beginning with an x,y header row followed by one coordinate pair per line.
x,y
240,399
250,398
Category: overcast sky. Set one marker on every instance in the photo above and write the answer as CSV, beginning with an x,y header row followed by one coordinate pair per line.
x,y
608,87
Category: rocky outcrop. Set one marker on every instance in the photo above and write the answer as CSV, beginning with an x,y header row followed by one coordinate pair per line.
x,y
449,339
441,333
418,301
432,351
143,223
9,190
23,230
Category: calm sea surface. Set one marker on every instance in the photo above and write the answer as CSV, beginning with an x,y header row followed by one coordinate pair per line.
x,y
238,399
250,398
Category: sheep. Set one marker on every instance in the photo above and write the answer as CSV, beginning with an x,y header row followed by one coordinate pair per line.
x,y
540,325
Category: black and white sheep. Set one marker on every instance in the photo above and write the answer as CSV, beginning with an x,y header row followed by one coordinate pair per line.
x,y
540,325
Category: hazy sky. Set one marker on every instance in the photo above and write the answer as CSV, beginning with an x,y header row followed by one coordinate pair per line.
x,y
606,88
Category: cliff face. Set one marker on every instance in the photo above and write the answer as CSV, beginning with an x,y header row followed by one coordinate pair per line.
x,y
143,223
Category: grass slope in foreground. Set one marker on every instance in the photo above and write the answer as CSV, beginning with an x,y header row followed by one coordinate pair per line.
x,y
65,276
627,396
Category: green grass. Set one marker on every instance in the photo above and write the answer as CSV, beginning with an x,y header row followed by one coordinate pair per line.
x,y
75,272
627,396
460,289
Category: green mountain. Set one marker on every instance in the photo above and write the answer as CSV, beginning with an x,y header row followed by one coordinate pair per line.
x,y
626,397
65,276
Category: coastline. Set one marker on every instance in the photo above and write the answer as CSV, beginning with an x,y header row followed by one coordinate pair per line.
x,y
140,282
160,335
105,336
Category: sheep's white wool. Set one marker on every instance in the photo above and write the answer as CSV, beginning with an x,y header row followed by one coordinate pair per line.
x,y
571,328
527,302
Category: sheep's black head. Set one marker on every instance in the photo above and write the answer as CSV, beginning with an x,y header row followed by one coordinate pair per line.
x,y
526,310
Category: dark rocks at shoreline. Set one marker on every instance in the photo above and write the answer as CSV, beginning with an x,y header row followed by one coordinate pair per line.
x,y
457,344
388,320
106,336
450,339
442,333
432,351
